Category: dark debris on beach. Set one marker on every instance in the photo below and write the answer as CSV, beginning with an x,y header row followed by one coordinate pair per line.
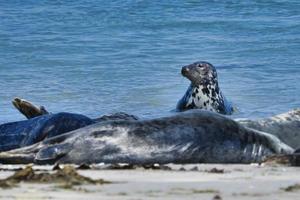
x,y
65,177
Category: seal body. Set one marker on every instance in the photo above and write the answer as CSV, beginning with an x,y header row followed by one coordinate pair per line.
x,y
27,132
23,133
284,126
203,92
188,137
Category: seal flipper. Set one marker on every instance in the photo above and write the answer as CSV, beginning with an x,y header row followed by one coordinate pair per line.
x,y
28,109
8,158
229,108
45,152
50,154
297,151
182,104
24,155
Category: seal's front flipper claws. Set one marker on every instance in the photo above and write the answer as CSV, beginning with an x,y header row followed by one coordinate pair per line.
x,y
28,109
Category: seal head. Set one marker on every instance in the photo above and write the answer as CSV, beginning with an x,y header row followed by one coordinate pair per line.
x,y
203,92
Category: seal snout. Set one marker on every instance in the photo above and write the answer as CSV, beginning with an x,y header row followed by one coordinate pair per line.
x,y
185,70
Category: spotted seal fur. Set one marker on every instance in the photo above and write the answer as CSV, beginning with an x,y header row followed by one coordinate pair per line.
x,y
204,91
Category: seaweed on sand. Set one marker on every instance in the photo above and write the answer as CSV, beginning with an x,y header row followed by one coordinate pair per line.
x,y
66,177
289,160
291,188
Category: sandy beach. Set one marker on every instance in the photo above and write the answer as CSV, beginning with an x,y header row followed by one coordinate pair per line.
x,y
203,181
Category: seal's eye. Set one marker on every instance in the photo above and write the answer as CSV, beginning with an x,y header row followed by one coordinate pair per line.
x,y
200,66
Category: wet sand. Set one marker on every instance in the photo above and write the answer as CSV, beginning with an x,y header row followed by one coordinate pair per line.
x,y
201,181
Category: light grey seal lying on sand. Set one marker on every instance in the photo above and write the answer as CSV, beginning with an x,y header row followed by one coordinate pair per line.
x,y
189,137
204,91
285,126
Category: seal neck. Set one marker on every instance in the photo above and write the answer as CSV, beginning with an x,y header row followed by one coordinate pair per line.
x,y
206,96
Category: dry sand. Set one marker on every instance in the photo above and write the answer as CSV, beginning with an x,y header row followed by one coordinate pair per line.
x,y
181,182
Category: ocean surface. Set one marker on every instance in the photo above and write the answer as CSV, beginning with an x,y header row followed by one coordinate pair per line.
x,y
100,57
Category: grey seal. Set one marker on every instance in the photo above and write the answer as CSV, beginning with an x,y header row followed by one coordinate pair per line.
x,y
41,125
285,126
204,91
27,132
189,137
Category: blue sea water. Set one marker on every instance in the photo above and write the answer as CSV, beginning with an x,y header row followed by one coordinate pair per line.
x,y
98,57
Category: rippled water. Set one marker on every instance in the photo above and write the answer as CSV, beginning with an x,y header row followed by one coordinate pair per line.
x,y
97,57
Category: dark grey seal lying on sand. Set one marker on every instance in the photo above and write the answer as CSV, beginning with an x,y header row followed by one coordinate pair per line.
x,y
204,91
41,125
24,133
189,137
